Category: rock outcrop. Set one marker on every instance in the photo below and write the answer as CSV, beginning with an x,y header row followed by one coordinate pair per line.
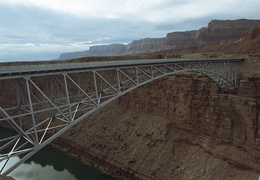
x,y
176,38
249,43
252,34
218,30
145,45
180,42
101,50
107,50
73,55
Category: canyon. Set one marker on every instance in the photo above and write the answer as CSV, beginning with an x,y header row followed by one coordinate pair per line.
x,y
180,126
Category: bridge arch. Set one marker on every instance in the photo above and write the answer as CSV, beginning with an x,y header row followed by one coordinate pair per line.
x,y
51,99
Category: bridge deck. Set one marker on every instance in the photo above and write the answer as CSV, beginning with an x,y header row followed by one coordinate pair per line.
x,y
40,68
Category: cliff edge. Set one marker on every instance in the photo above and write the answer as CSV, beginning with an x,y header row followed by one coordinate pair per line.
x,y
178,42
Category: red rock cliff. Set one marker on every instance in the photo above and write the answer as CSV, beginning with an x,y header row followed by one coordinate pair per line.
x,y
176,38
179,42
178,127
145,45
218,30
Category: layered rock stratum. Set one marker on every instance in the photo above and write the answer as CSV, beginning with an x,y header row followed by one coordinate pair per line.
x,y
179,127
179,42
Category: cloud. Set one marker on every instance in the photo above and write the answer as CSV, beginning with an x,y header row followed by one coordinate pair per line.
x,y
29,27
148,10
41,34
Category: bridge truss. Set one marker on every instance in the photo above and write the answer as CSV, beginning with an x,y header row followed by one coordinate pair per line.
x,y
47,100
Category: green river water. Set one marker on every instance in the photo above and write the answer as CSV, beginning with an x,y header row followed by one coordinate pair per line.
x,y
52,164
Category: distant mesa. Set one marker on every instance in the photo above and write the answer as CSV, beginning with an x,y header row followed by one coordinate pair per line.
x,y
179,42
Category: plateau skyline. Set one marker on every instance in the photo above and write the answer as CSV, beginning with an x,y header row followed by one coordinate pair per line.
x,y
42,30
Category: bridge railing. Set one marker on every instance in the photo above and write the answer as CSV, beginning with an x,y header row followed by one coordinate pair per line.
x,y
81,65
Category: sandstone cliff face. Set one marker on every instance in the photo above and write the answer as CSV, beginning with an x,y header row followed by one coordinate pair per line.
x,y
252,34
178,127
176,38
180,42
217,30
108,50
221,30
72,55
145,45
249,43
102,50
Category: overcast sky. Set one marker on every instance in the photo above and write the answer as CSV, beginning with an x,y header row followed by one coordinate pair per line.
x,y
42,29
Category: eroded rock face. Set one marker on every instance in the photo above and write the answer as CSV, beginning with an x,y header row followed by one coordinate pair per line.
x,y
252,33
176,38
145,45
178,127
180,42
249,43
108,50
219,119
102,50
72,55
219,30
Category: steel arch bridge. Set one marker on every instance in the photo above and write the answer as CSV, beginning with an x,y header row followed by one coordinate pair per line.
x,y
49,99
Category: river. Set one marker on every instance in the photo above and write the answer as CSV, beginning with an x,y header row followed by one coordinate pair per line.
x,y
53,164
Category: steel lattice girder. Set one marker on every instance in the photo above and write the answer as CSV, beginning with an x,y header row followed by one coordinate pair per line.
x,y
47,104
